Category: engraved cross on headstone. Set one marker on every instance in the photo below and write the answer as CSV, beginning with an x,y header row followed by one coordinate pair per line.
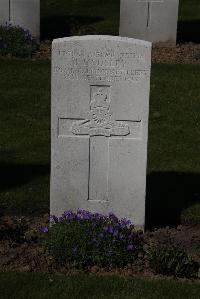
x,y
9,11
149,7
99,127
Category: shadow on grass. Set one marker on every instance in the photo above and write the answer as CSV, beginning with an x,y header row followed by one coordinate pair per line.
x,y
188,31
62,26
168,193
15,175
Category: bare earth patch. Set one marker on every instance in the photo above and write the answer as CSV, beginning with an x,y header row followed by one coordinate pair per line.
x,y
21,249
182,53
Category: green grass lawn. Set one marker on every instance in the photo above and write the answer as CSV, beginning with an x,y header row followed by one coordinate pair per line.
x,y
189,10
72,17
78,17
41,286
25,135
173,150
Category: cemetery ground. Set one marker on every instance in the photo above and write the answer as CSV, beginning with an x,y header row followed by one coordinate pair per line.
x,y
173,149
173,192
40,286
173,189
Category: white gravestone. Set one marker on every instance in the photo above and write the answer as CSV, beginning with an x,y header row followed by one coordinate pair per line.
x,y
23,13
152,20
100,100
4,11
26,14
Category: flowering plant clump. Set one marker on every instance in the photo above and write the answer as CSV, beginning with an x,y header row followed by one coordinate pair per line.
x,y
87,239
16,41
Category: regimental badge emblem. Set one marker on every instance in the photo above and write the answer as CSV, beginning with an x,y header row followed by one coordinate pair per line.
x,y
100,120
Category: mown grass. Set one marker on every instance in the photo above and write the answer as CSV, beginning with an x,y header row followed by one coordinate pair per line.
x,y
174,143
189,10
72,17
173,150
173,191
41,286
25,135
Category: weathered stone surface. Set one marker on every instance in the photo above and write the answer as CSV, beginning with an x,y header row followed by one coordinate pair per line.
x,y
152,20
26,14
4,11
100,100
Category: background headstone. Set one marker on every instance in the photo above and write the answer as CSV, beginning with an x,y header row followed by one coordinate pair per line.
x,y
152,20
23,13
4,12
100,100
26,14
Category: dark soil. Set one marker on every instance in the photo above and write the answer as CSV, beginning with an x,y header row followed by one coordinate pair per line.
x,y
183,54
21,247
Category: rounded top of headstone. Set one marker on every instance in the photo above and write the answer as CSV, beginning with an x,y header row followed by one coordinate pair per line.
x,y
103,38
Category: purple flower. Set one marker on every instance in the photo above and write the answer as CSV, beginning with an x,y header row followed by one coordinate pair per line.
x,y
113,216
98,216
130,247
115,233
68,214
121,236
94,224
84,214
44,229
110,229
125,222
54,218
